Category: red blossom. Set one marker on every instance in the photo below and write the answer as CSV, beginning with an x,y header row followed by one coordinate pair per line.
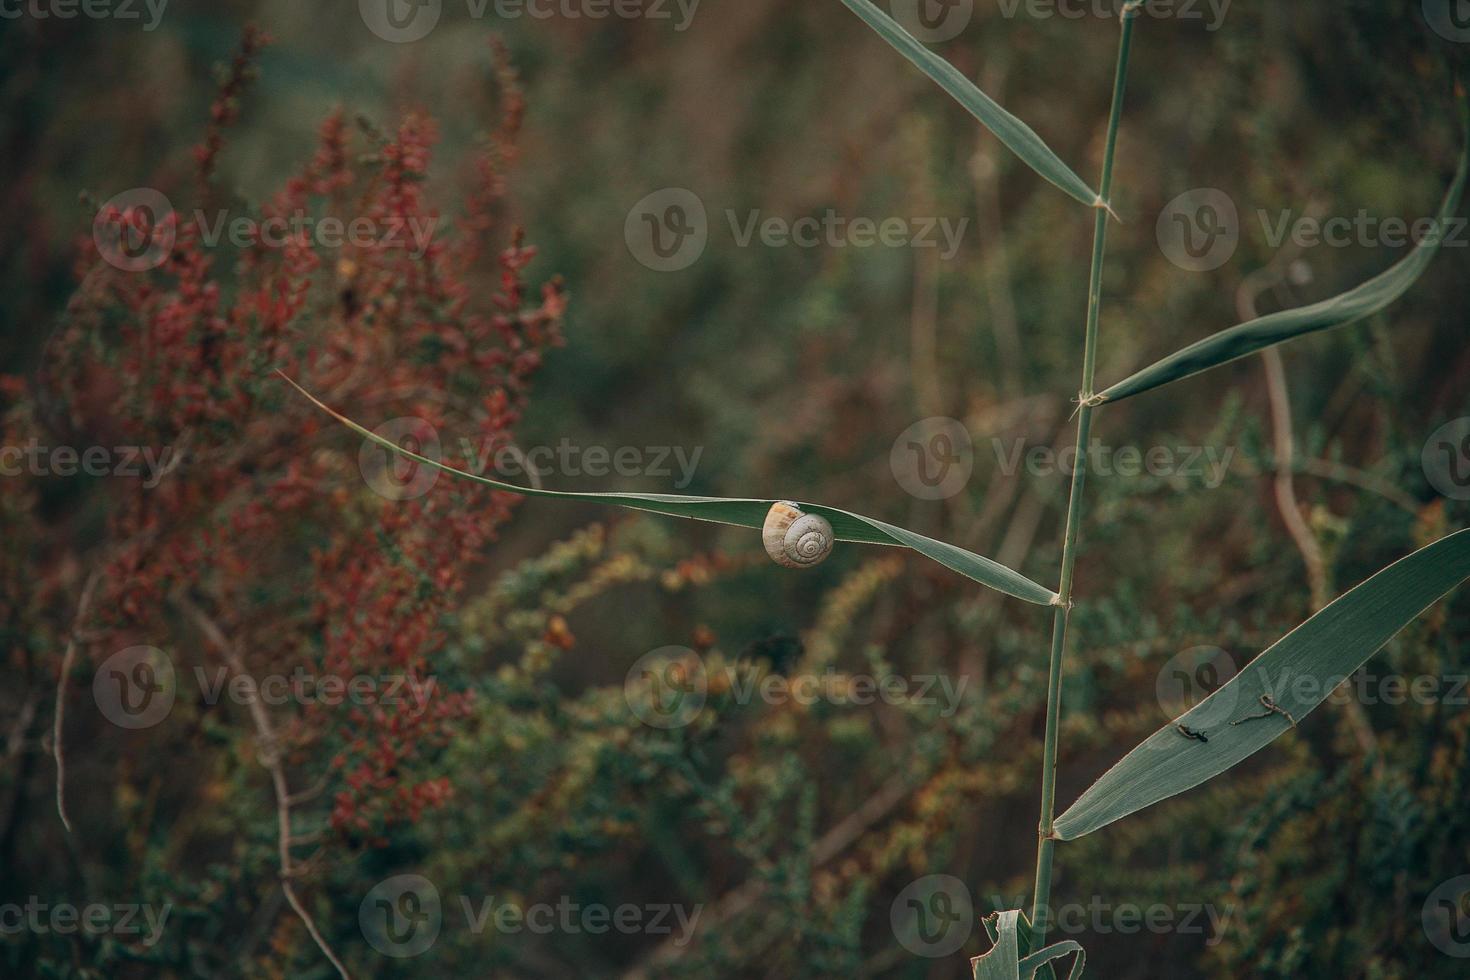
x,y
267,522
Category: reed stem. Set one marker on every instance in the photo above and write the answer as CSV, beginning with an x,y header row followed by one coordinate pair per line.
x,y
1047,843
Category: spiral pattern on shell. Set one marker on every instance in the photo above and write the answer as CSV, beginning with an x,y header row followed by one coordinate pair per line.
x,y
794,539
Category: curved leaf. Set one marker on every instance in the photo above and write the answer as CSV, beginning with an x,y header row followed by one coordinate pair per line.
x,y
1004,961
751,513
1296,674
1247,338
1016,135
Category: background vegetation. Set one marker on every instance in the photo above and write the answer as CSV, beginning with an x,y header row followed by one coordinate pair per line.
x,y
794,371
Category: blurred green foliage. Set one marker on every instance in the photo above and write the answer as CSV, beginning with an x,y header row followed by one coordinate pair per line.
x,y
794,370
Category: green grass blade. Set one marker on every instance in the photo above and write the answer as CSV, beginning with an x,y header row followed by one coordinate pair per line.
x,y
1020,138
751,513
1298,673
1247,338
1005,962
1037,963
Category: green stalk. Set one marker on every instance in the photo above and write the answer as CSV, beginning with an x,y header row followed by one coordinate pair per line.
x,y
1045,846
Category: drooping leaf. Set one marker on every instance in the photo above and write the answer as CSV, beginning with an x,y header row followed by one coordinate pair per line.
x,y
1294,676
1255,335
1016,135
751,513
1004,961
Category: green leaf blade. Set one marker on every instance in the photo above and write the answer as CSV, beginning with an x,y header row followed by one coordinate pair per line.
x,y
747,512
1018,137
1297,673
1003,960
1356,304
1007,960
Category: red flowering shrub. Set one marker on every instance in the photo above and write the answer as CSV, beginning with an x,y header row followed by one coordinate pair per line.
x,y
257,545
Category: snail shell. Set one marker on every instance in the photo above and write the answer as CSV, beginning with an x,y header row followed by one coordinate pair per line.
x,y
794,539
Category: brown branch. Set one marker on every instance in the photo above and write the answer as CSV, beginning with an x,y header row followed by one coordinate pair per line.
x,y
1342,473
58,750
1285,482
270,759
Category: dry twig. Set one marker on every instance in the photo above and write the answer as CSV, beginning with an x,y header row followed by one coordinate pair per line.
x,y
58,750
270,759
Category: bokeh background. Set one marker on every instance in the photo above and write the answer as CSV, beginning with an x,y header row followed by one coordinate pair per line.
x,y
792,372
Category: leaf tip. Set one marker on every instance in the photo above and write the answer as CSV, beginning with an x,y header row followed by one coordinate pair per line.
x,y
316,401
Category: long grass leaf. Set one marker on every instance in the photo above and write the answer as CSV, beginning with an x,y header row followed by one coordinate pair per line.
x,y
1292,677
1247,338
1016,135
751,513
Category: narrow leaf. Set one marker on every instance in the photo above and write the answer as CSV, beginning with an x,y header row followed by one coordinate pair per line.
x,y
1004,961
1292,677
750,513
1016,135
1255,335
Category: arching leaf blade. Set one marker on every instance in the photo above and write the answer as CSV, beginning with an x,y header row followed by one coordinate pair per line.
x,y
1256,335
746,512
1018,137
1297,674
